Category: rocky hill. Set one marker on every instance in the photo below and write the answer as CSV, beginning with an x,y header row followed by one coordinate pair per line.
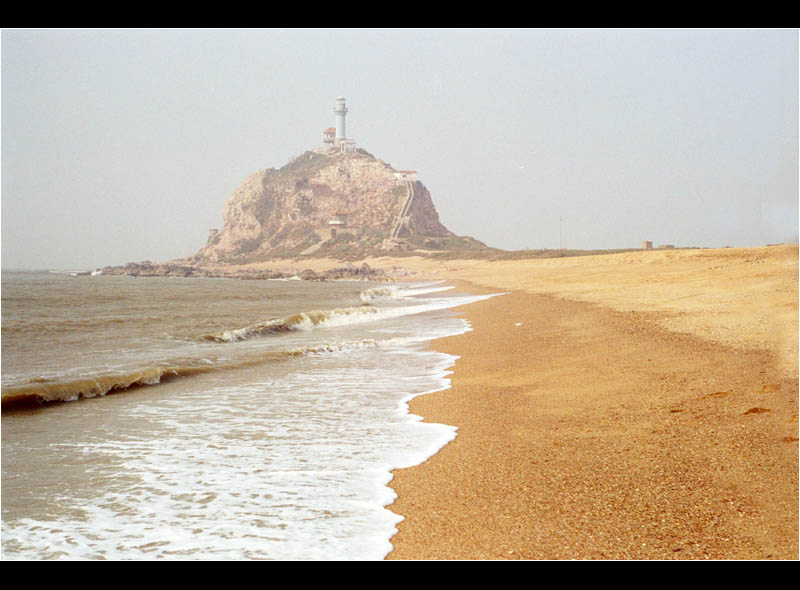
x,y
340,204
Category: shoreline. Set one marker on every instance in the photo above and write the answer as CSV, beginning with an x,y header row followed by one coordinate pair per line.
x,y
587,432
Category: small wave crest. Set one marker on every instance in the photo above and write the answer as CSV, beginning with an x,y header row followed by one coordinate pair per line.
x,y
299,321
401,292
334,347
40,390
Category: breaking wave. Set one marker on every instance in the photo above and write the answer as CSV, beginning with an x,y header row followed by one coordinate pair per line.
x,y
39,391
397,292
299,321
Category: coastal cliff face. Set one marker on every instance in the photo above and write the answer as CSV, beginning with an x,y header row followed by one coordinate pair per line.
x,y
287,211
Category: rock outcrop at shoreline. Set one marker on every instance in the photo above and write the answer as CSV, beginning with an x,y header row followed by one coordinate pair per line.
x,y
180,269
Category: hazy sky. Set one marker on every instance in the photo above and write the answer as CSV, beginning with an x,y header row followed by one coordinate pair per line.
x,y
123,145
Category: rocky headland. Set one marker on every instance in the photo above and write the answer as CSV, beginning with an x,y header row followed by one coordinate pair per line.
x,y
345,206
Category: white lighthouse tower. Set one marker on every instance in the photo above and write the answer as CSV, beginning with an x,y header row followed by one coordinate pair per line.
x,y
340,110
335,138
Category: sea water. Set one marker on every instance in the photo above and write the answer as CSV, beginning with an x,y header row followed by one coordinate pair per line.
x,y
157,418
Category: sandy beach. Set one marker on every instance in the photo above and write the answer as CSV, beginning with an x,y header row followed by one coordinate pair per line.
x,y
638,405
629,406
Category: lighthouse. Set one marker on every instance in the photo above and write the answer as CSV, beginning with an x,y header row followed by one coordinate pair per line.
x,y
334,139
340,110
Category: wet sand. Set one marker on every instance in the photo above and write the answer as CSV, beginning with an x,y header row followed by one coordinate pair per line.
x,y
612,429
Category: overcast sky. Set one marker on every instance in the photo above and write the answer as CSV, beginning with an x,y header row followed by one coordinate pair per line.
x,y
123,145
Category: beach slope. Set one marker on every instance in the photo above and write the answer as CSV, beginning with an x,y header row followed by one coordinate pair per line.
x,y
629,406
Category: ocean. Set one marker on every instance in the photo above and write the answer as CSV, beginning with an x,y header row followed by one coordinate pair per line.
x,y
213,419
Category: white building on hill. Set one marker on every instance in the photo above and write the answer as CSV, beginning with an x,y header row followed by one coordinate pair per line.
x,y
406,175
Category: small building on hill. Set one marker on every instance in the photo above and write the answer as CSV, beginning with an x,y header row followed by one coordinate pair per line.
x,y
406,175
338,226
338,219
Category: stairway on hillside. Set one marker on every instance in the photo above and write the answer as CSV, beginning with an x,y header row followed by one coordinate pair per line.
x,y
404,217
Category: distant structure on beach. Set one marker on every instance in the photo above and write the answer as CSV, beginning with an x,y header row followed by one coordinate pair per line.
x,y
647,245
334,138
